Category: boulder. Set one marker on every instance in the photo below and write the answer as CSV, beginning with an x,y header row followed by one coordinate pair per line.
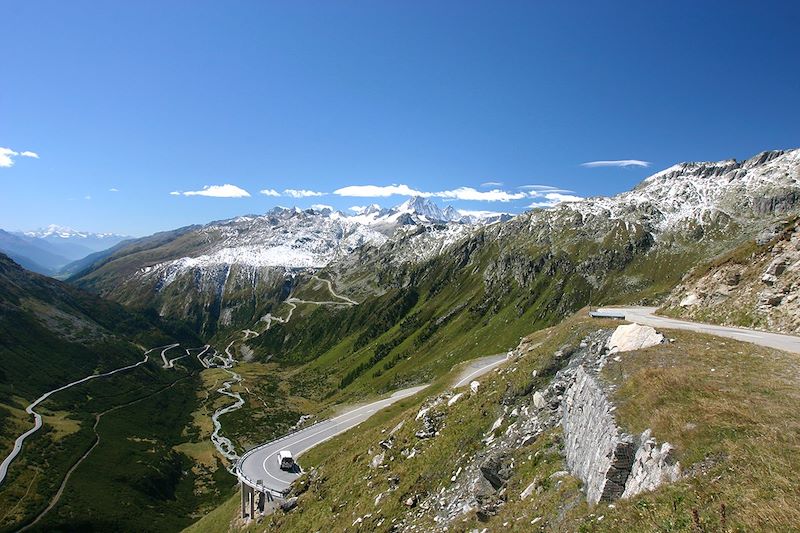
x,y
497,469
689,300
454,399
288,505
377,460
538,400
633,337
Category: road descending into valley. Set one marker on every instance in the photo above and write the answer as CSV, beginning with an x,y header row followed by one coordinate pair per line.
x,y
646,316
478,367
261,463
37,418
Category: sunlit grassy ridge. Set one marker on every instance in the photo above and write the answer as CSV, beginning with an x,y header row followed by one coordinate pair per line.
x,y
730,408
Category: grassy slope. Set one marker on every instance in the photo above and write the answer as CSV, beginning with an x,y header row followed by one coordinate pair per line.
x,y
736,427
51,334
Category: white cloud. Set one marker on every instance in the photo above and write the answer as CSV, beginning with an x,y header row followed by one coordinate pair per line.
x,y
175,193
87,197
617,163
551,199
492,184
113,189
461,193
320,207
7,156
217,191
479,213
468,193
302,193
378,191
269,192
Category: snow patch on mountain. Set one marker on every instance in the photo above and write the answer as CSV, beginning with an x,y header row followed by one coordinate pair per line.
x,y
698,192
63,232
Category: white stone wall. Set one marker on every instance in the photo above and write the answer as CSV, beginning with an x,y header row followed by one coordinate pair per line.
x,y
611,464
597,452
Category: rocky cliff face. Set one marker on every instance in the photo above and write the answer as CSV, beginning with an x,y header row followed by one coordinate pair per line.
x,y
757,285
610,463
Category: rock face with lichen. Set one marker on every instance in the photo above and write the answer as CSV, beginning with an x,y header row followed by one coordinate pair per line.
x,y
757,285
611,464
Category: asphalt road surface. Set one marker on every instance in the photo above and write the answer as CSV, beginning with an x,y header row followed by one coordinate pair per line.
x,y
261,463
478,367
645,316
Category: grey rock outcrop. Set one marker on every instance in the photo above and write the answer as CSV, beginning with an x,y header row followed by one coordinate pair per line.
x,y
755,287
652,466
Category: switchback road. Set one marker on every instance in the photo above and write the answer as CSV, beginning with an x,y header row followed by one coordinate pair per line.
x,y
646,316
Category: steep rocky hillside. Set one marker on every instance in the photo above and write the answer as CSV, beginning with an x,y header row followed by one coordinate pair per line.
x,y
230,273
52,333
757,285
588,427
637,245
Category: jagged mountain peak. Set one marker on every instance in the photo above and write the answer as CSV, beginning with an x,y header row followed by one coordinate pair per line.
x,y
64,232
420,205
701,192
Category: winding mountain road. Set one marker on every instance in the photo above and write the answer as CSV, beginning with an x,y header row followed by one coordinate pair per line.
x,y
261,462
333,293
478,367
646,316
37,418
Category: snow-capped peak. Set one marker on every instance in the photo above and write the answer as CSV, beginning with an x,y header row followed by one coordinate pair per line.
x,y
421,206
63,232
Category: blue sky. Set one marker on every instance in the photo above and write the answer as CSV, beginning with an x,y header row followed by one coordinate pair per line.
x,y
150,98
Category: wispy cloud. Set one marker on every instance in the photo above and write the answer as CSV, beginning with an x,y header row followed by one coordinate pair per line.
x,y
320,207
302,193
113,189
216,191
480,213
551,199
87,197
492,184
269,192
460,193
7,156
616,163
543,188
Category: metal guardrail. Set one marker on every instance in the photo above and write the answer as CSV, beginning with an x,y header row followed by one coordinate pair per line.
x,y
253,484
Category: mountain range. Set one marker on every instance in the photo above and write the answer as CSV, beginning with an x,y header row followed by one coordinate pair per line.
x,y
309,309
48,250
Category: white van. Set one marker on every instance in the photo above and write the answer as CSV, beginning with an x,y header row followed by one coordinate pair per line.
x,y
285,460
